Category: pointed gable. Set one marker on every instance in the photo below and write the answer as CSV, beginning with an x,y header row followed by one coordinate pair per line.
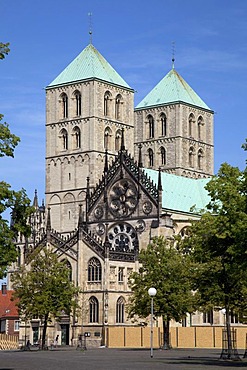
x,y
126,161
89,64
8,306
172,89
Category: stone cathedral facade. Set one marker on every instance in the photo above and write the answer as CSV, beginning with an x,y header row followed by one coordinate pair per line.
x,y
116,176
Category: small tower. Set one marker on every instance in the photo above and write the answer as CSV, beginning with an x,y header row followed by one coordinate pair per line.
x,y
175,128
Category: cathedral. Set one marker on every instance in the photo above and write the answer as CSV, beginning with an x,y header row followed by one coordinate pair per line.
x,y
117,175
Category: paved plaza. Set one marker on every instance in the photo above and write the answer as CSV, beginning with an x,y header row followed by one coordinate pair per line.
x,y
117,359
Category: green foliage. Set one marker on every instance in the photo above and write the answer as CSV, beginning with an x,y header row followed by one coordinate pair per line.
x,y
4,49
8,141
167,269
244,146
218,244
19,205
44,289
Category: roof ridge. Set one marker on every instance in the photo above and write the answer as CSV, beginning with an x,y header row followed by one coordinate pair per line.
x,y
88,64
172,88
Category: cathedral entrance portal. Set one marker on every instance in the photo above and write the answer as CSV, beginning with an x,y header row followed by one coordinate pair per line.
x,y
65,334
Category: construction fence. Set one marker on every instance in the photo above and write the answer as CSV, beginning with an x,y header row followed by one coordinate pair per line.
x,y
8,342
180,337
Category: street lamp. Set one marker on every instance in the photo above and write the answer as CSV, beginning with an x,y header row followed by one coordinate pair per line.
x,y
224,314
152,293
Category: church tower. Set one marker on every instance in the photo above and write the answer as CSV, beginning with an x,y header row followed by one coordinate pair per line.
x,y
175,129
87,106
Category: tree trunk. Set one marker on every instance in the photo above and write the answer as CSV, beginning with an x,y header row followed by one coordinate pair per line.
x,y
166,333
44,331
228,331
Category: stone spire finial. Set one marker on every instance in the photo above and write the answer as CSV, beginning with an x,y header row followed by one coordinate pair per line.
x,y
122,140
35,199
140,164
48,223
106,162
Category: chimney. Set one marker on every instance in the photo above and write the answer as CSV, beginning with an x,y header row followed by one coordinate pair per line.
x,y
4,289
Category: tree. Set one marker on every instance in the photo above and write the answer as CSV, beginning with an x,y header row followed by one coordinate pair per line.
x,y
8,141
19,205
166,268
16,202
218,246
43,289
244,146
4,49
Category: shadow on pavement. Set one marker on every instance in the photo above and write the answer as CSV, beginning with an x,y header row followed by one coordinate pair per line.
x,y
207,362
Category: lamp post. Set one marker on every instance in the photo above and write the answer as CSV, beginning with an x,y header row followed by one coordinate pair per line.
x,y
224,314
152,292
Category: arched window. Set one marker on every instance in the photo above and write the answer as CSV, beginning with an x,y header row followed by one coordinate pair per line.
x,y
151,126
107,104
64,102
191,124
120,310
118,140
118,107
199,159
77,137
69,267
94,270
19,257
77,95
108,138
150,157
199,127
163,124
191,157
64,137
93,310
163,155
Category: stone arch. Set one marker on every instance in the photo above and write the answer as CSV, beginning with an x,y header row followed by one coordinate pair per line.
x,y
63,139
120,310
200,156
118,104
107,103
191,124
55,206
108,139
77,106
150,126
191,157
69,212
69,267
200,124
63,106
163,124
76,138
118,137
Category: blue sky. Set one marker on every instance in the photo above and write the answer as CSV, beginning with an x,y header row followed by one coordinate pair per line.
x,y
136,39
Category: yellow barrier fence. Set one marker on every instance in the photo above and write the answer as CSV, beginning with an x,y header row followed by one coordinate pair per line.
x,y
8,342
180,337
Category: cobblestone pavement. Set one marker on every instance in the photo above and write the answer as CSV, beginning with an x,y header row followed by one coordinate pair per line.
x,y
117,359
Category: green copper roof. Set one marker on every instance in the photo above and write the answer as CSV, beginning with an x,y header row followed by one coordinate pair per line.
x,y
172,89
181,193
87,65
